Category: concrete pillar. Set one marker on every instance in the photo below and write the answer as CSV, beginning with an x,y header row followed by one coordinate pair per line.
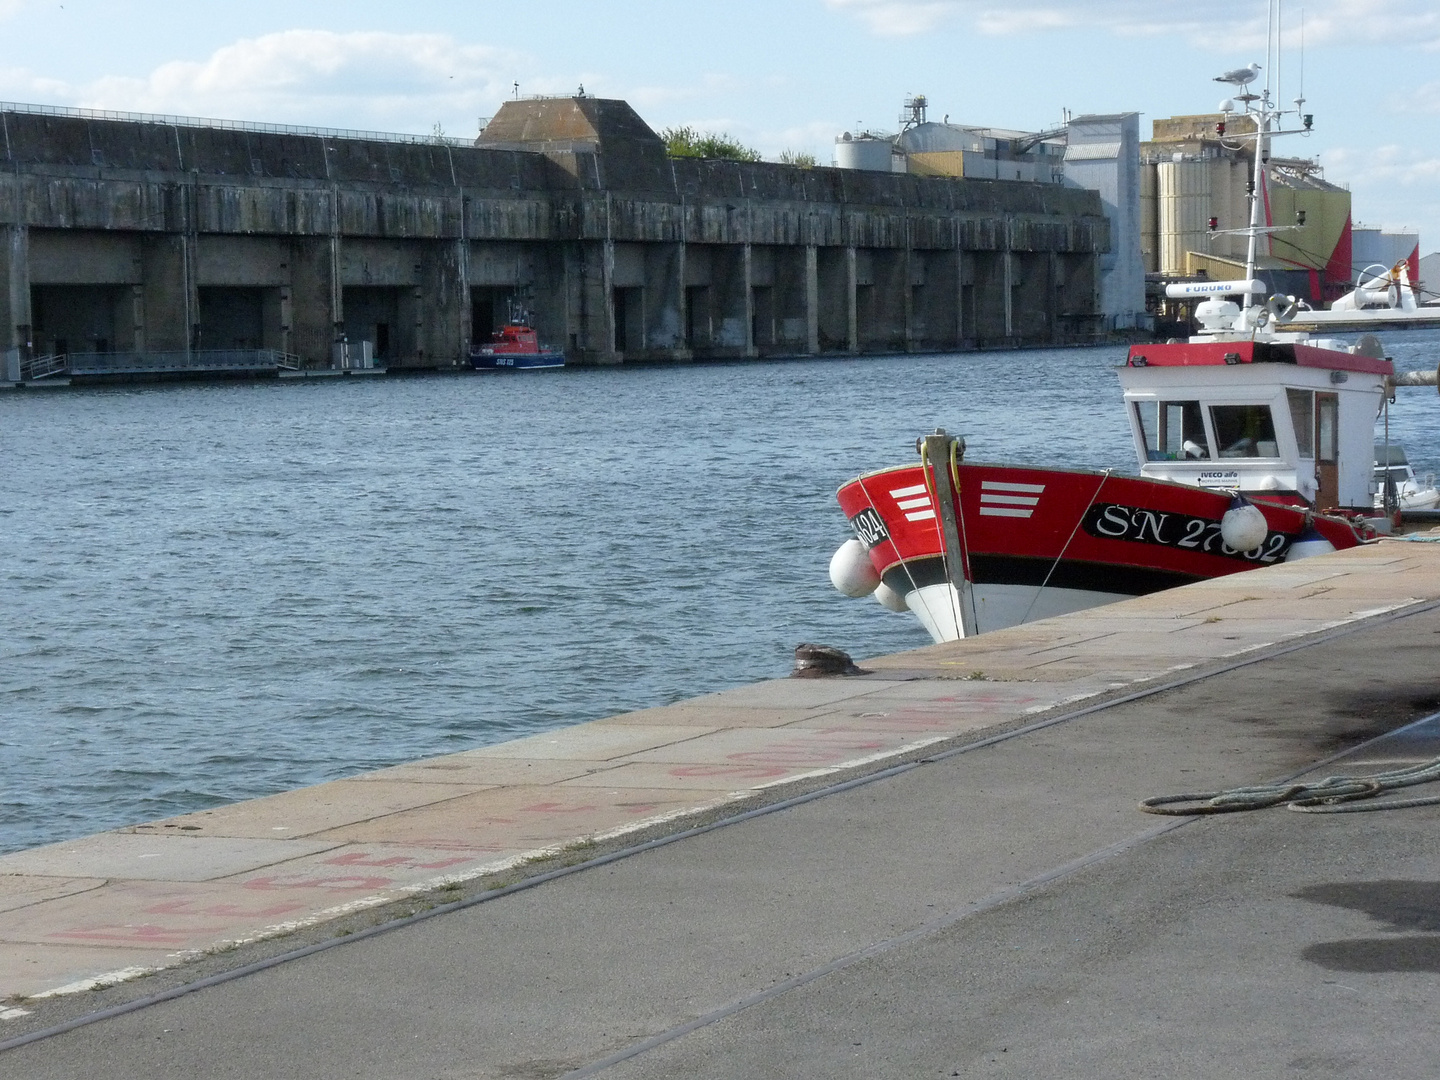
x,y
664,300
882,288
287,320
1052,296
594,303
682,307
313,296
1007,267
137,319
989,298
166,293
962,279
966,317
336,304
748,277
852,313
731,304
835,295
608,354
462,262
16,331
812,301
783,274
700,292
546,285
190,262
935,299
441,304
1075,294
907,275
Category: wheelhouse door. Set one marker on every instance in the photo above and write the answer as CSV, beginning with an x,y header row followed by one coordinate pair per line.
x,y
1327,450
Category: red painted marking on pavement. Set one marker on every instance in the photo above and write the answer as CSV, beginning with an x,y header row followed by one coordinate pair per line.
x,y
805,753
449,843
344,883
222,911
799,756
741,772
360,858
145,932
851,743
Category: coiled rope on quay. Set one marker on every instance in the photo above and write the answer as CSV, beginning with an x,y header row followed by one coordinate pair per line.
x,y
1339,794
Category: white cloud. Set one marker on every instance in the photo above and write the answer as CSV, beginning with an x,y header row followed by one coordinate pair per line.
x,y
899,18
362,79
1418,99
1380,166
1224,26
710,85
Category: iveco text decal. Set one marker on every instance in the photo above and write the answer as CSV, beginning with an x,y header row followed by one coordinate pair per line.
x,y
1219,478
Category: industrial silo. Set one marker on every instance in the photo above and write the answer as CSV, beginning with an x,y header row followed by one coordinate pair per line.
x,y
864,151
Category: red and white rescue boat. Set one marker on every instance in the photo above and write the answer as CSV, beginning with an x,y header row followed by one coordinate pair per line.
x,y
515,347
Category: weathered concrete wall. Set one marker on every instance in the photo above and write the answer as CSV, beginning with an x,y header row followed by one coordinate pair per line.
x,y
617,253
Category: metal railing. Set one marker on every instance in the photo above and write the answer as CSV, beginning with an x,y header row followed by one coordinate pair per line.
x,y
198,360
42,367
231,125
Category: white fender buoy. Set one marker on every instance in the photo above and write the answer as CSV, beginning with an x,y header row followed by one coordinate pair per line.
x,y
891,599
1243,527
851,570
1308,543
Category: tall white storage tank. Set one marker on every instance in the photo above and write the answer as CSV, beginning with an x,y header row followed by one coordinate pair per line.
x,y
1149,225
1183,202
863,152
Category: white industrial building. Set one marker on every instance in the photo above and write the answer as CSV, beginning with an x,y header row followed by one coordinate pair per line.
x,y
1101,153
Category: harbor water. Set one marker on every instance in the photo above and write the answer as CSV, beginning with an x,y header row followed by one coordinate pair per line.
x,y
213,592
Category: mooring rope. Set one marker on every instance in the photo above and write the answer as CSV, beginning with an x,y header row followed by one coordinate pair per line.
x,y
1060,558
904,565
1337,794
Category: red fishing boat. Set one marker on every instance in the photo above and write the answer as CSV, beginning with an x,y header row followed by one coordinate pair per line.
x,y
1255,446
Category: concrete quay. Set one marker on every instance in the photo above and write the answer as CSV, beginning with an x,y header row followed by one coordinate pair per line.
x,y
1001,910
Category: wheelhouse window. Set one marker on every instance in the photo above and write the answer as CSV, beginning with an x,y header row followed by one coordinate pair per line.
x,y
1173,430
1329,425
1302,416
1244,431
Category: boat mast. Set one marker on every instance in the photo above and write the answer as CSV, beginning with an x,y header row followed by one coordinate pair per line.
x,y
1264,115
1257,183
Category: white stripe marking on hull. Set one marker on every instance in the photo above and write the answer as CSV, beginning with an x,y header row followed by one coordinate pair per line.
x,y
996,485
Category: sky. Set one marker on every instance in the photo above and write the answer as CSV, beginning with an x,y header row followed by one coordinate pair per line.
x,y
776,74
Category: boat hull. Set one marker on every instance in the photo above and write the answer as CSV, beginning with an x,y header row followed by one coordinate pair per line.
x,y
1041,542
516,361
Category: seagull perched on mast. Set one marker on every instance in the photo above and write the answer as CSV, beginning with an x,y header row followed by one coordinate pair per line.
x,y
1240,76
